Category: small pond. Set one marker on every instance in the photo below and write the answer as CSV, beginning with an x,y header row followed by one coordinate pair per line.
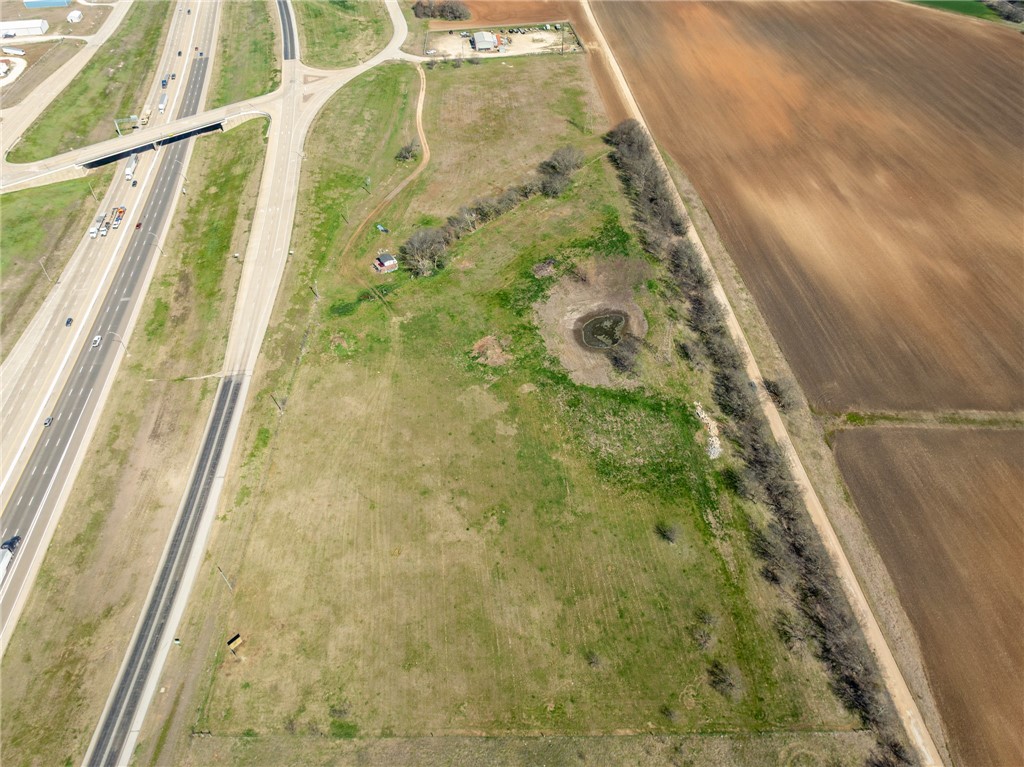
x,y
604,330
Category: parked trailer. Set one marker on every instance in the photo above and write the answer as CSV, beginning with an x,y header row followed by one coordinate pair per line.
x,y
163,103
129,169
13,51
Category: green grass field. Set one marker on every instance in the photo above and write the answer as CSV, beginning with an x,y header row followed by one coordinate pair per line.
x,y
974,8
112,84
39,225
71,639
246,64
422,545
339,33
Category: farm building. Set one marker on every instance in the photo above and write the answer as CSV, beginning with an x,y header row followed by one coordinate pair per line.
x,y
23,28
47,3
75,16
385,262
484,41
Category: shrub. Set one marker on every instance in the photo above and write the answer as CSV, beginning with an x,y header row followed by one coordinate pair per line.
x,y
451,10
553,186
562,162
666,532
409,152
424,252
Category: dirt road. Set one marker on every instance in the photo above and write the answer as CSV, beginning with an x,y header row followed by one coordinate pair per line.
x,y
902,697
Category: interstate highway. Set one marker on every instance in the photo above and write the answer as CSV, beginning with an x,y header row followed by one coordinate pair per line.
x,y
33,499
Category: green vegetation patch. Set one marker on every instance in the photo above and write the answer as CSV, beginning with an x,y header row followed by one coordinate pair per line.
x,y
111,85
246,65
339,33
974,8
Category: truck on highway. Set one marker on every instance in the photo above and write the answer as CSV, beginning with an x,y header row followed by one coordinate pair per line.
x,y
94,231
129,169
163,103
118,215
5,562
144,120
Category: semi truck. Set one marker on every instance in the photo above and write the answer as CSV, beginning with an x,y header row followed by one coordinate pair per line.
x,y
5,562
129,169
144,120
118,215
163,103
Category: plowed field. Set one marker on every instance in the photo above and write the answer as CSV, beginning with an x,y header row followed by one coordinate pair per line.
x,y
863,163
943,507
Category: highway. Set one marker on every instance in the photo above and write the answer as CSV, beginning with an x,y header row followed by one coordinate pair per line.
x,y
109,742
287,31
33,500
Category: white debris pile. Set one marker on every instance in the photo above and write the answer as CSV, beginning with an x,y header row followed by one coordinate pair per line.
x,y
714,446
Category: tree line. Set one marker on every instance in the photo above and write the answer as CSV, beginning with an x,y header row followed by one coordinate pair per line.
x,y
426,251
792,555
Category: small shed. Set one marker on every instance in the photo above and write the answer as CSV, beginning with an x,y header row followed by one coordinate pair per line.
x,y
385,262
75,16
485,41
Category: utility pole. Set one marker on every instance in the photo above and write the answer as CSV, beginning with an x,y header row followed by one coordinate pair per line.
x,y
226,581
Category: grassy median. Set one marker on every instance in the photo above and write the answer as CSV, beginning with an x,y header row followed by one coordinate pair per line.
x,y
113,84
69,644
340,33
246,65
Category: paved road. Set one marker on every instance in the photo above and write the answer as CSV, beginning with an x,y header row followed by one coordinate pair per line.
x,y
290,44
51,463
115,727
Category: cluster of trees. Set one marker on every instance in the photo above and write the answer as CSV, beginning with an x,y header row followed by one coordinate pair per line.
x,y
1008,10
409,152
451,10
426,251
790,550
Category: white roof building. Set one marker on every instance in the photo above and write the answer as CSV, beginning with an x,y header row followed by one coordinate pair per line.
x,y
75,16
25,27
485,41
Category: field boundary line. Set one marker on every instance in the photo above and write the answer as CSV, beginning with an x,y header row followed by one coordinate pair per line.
x,y
896,684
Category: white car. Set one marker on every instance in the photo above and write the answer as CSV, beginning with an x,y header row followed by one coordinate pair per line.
x,y
96,341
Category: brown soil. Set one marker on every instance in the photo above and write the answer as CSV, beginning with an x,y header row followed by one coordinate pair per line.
x,y
488,351
596,287
943,507
863,164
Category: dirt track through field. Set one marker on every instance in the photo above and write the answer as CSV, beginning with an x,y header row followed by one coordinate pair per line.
x,y
903,700
862,161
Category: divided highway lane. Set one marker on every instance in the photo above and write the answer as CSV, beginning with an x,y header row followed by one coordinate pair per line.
x,y
287,30
115,727
47,469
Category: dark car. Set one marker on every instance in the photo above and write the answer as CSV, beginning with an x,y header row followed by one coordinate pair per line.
x,y
67,322
135,183
138,226
11,544
48,421
179,53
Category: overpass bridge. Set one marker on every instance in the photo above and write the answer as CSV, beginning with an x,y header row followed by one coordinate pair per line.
x,y
78,162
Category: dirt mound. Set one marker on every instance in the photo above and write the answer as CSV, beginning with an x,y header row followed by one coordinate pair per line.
x,y
488,351
595,288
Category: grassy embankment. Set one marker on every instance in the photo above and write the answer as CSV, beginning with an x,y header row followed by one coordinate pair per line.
x,y
39,225
63,657
246,64
113,84
340,33
974,8
473,549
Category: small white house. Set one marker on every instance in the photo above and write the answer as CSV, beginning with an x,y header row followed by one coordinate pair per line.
x,y
385,262
485,41
75,16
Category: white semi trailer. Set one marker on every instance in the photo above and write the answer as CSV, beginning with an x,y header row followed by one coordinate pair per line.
x,y
129,169
163,103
